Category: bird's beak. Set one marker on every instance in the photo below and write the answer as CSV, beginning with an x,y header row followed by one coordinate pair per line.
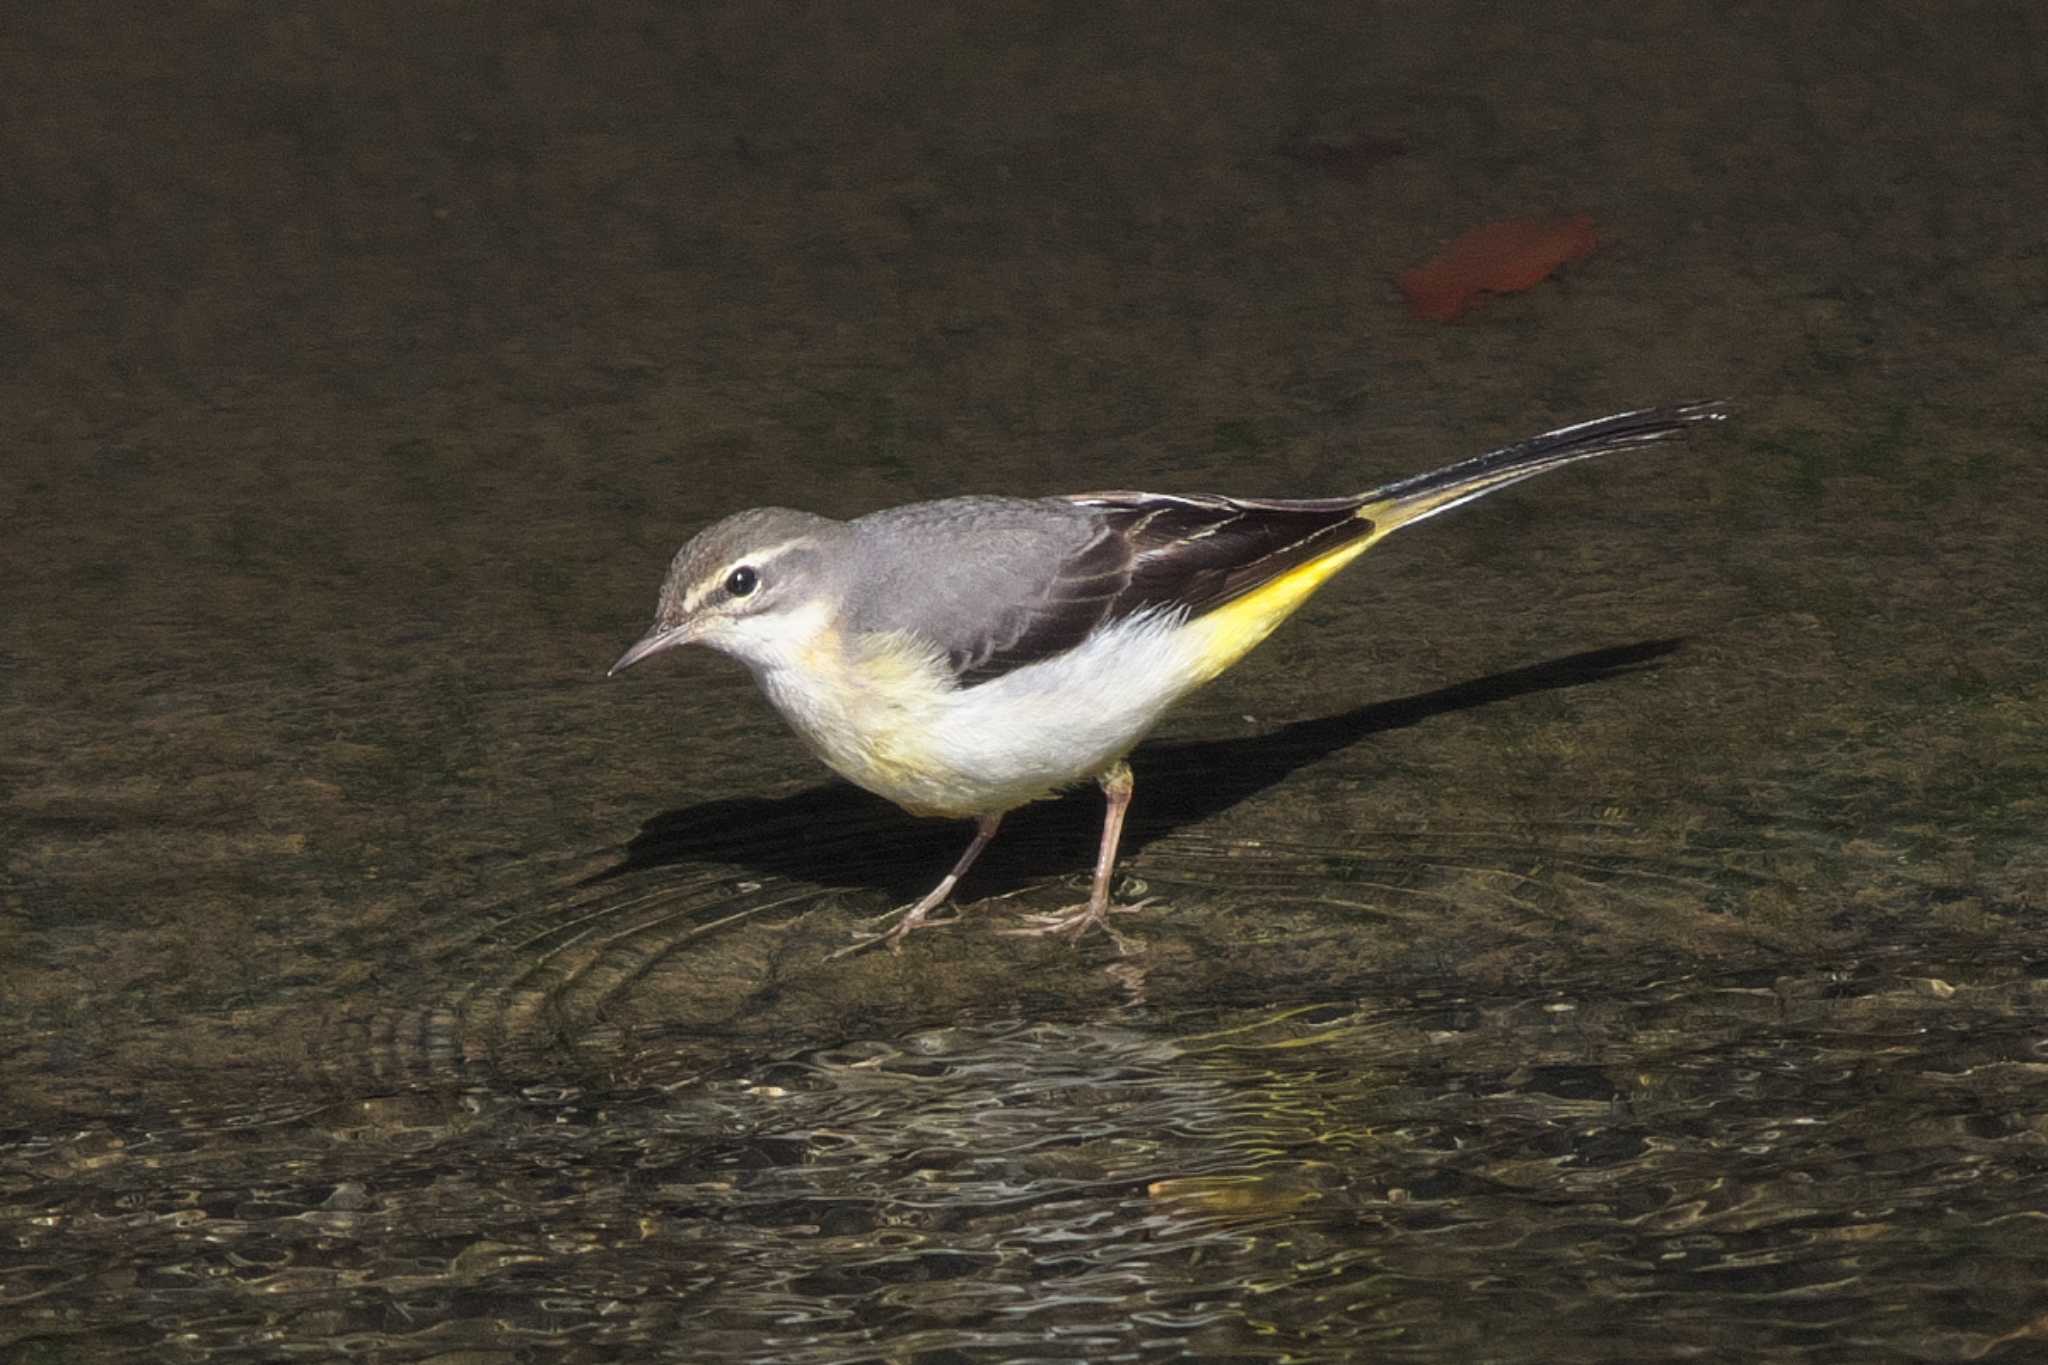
x,y
654,642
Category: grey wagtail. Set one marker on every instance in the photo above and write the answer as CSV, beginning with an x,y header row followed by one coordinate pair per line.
x,y
966,656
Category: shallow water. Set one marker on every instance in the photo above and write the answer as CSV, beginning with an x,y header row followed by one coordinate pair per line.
x,y
1605,924
584,1125
1762,1167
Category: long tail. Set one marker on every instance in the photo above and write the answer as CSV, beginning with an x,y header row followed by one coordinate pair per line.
x,y
1407,501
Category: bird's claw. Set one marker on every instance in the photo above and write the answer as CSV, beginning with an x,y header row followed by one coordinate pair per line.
x,y
1077,920
913,917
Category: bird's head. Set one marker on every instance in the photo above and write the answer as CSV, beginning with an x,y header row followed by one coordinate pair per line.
x,y
756,586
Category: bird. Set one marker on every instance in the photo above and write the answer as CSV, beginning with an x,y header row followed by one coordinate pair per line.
x,y
966,656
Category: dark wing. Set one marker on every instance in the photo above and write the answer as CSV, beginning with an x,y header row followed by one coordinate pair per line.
x,y
1155,552
1199,552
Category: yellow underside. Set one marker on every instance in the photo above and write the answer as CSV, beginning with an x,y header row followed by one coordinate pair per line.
x,y
1230,632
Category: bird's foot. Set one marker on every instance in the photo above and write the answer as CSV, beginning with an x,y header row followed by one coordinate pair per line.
x,y
913,917
1077,920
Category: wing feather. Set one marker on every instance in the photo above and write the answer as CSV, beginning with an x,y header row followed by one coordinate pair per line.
x,y
1156,552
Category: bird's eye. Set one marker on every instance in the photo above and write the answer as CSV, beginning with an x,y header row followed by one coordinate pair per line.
x,y
742,581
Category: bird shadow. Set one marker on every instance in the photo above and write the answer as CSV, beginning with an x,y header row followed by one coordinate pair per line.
x,y
842,838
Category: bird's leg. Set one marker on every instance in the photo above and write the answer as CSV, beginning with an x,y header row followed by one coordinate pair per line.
x,y
984,830
1079,919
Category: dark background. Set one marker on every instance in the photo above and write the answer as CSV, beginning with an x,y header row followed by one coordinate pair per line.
x,y
363,365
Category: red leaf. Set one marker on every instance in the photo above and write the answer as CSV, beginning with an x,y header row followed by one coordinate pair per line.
x,y
1497,258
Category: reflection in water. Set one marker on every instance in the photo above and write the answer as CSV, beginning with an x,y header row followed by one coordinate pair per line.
x,y
1773,1163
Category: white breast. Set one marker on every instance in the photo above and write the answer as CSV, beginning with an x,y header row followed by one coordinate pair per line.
x,y
890,720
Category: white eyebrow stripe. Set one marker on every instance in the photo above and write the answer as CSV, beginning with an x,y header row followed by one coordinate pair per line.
x,y
696,595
